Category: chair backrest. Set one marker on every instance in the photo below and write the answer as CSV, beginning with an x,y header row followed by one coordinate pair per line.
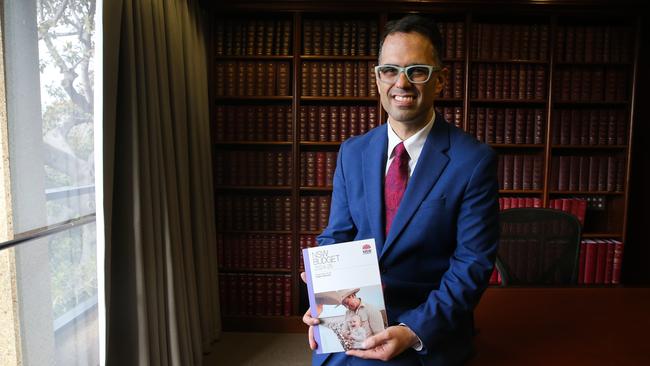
x,y
538,246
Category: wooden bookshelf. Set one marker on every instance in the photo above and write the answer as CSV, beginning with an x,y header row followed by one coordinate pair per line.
x,y
512,97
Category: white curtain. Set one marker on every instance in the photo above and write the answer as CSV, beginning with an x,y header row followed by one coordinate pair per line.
x,y
161,273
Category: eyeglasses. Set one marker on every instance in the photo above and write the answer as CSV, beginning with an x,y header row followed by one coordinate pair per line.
x,y
416,74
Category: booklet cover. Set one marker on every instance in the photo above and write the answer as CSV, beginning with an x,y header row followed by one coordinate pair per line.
x,y
345,293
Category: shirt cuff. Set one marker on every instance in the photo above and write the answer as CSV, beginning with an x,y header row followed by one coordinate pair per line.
x,y
419,345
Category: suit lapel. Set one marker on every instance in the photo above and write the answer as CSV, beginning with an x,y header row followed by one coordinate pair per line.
x,y
374,166
431,164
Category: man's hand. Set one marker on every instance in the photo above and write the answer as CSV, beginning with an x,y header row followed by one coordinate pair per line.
x,y
309,320
386,344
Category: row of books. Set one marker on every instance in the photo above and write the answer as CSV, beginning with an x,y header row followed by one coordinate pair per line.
x,y
253,168
254,251
452,115
335,123
510,41
306,241
455,84
489,41
506,203
600,262
507,125
340,37
453,36
253,122
517,171
245,294
590,84
338,79
574,206
588,173
508,81
252,78
314,212
317,168
594,43
253,213
252,37
603,126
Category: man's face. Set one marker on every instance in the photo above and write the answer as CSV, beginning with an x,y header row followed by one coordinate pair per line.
x,y
351,302
406,102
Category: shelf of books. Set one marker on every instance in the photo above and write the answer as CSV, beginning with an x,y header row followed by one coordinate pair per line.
x,y
552,94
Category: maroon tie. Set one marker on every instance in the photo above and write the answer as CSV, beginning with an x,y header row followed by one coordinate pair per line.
x,y
395,184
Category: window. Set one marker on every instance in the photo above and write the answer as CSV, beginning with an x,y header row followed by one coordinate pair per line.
x,y
48,240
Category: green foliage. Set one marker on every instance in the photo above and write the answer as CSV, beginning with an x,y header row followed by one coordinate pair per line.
x,y
74,268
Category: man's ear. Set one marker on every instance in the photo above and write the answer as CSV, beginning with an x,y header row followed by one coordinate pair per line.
x,y
442,77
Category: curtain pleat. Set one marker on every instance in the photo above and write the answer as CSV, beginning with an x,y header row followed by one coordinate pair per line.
x,y
162,285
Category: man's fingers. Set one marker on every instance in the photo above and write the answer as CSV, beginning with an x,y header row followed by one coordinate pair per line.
x,y
376,340
308,319
312,341
303,275
373,353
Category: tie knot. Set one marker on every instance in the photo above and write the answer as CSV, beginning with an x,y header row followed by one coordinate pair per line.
x,y
400,152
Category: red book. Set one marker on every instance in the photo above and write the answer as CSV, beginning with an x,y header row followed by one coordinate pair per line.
x,y
277,295
344,123
363,120
507,171
601,259
580,210
506,203
302,123
287,251
312,123
609,263
320,169
323,123
330,166
354,121
564,171
583,181
334,123
591,254
287,294
310,169
260,291
617,262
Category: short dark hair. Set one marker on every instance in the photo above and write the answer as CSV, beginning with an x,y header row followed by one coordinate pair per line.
x,y
418,24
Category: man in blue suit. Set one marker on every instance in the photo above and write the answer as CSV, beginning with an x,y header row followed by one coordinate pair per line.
x,y
427,192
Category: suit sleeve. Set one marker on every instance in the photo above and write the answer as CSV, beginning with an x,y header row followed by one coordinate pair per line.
x,y
340,227
470,265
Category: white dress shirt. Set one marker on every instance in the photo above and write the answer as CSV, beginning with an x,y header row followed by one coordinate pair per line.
x,y
413,144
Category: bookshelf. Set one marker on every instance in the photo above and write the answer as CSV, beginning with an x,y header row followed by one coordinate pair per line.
x,y
552,92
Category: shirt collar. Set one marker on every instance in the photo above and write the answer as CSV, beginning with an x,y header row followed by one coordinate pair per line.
x,y
413,144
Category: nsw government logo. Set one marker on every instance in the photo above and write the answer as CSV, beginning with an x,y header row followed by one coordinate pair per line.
x,y
367,249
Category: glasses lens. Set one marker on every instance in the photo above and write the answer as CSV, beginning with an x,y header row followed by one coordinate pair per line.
x,y
388,73
417,74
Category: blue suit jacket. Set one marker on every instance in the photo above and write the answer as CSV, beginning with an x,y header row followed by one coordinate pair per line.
x,y
438,256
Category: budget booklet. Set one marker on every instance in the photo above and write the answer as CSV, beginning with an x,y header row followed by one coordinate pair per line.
x,y
345,294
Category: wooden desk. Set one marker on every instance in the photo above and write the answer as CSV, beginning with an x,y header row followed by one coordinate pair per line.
x,y
563,326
